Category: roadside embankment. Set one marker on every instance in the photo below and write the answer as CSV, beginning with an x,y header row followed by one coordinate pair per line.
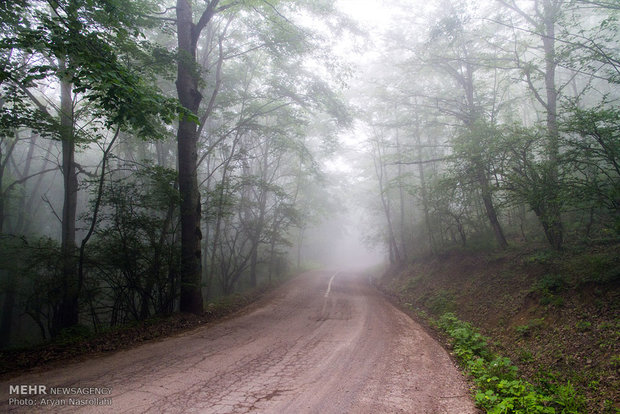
x,y
554,315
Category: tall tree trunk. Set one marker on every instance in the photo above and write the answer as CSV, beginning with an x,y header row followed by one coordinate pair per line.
x,y
272,245
423,189
21,213
256,237
219,214
480,167
553,221
4,162
29,208
548,210
254,263
190,97
395,256
3,193
68,312
487,200
260,222
207,275
401,200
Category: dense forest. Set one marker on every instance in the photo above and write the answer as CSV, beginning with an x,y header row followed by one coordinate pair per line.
x,y
158,154
497,123
155,156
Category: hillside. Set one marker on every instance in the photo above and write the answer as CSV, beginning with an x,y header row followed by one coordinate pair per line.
x,y
555,315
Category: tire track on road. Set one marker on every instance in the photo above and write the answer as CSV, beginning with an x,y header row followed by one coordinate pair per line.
x,y
326,343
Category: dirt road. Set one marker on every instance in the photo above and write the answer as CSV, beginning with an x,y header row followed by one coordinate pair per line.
x,y
325,342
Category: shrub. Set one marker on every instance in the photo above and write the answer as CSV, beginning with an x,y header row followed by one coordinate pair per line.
x,y
567,398
441,302
550,283
527,329
499,388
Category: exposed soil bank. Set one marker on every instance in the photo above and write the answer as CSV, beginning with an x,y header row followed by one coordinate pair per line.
x,y
555,315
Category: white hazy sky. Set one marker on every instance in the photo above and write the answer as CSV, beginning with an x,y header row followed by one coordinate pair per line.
x,y
373,16
374,13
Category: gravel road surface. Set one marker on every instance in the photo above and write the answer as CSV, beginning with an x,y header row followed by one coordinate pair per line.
x,y
325,342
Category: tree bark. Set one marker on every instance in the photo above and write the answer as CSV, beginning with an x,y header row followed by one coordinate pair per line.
x,y
553,221
423,190
480,168
4,162
395,256
548,210
259,226
67,313
487,200
401,201
187,137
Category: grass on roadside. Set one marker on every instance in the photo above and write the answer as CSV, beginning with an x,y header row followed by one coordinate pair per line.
x,y
499,388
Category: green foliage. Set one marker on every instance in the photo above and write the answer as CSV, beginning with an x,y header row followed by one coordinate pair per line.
x,y
553,300
526,356
534,178
540,256
505,154
441,302
134,254
42,289
549,287
527,329
592,141
412,282
450,199
100,49
568,399
73,334
467,342
550,283
599,268
499,388
11,247
594,50
583,326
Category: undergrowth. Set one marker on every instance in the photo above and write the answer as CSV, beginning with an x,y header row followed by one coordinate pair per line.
x,y
499,388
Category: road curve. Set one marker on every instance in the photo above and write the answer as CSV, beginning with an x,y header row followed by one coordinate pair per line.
x,y
325,342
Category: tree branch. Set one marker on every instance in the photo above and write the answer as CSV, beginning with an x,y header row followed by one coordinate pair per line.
x,y
417,162
519,11
26,178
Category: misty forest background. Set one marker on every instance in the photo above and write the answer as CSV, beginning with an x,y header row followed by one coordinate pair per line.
x,y
158,155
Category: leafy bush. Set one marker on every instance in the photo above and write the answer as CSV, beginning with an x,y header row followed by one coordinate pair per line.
x,y
598,268
567,398
467,342
75,333
499,388
441,302
549,286
539,257
550,283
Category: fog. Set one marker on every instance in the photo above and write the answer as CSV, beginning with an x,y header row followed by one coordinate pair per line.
x,y
342,242
158,159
